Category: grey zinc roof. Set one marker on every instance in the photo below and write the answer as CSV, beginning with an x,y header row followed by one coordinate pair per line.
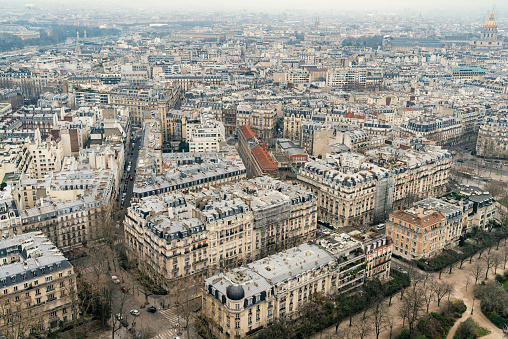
x,y
291,262
38,257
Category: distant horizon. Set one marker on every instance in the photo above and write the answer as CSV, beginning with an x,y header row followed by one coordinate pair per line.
x,y
278,6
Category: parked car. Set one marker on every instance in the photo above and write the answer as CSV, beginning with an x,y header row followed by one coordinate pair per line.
x,y
119,316
124,289
151,309
134,312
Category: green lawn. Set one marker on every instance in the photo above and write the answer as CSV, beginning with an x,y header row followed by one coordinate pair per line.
x,y
505,285
479,330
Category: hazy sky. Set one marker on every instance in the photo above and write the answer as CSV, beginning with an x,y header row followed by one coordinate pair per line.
x,y
278,5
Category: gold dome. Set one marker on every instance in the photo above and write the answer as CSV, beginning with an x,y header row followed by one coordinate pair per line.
x,y
491,22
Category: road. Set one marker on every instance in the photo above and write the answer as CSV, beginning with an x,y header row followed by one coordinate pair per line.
x,y
488,167
126,184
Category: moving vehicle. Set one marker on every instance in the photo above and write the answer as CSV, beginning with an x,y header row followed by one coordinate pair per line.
x,y
134,312
151,309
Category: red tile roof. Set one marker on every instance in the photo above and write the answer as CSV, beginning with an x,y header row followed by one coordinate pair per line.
x,y
247,132
263,159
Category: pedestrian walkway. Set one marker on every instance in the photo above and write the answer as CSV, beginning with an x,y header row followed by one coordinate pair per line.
x,y
170,315
168,334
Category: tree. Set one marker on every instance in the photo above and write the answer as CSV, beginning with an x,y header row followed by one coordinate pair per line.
x,y
186,301
488,260
362,327
379,317
497,260
466,330
504,255
411,307
117,316
467,280
493,296
440,289
428,294
476,270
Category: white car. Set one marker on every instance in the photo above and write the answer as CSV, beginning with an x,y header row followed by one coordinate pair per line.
x,y
134,312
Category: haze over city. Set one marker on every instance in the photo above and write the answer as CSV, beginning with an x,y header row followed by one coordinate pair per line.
x,y
257,169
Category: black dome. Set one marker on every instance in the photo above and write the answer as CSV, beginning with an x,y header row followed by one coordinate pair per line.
x,y
235,292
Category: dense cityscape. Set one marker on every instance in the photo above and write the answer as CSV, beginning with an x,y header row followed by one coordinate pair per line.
x,y
171,173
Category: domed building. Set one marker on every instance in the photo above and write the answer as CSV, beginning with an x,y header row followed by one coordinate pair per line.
x,y
489,39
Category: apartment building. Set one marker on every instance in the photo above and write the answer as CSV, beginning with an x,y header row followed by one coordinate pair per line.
x,y
456,219
442,129
166,173
378,254
261,118
294,116
346,78
225,227
418,232
37,282
352,189
477,204
208,136
493,137
346,195
141,102
244,300
67,207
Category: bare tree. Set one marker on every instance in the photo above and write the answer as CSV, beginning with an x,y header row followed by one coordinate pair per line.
x,y
440,289
428,293
411,307
488,260
379,317
362,326
497,260
477,270
504,255
467,280
118,313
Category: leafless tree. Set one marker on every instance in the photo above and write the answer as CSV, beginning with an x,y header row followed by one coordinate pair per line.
x,y
504,255
467,280
118,313
488,260
497,261
428,293
477,270
362,327
411,307
441,289
379,317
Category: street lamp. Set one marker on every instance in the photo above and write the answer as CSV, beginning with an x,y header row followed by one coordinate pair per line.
x,y
472,307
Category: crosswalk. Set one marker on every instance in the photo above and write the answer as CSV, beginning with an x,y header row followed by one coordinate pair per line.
x,y
170,315
168,334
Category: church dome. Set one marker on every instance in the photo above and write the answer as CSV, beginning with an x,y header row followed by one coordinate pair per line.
x,y
491,22
235,292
